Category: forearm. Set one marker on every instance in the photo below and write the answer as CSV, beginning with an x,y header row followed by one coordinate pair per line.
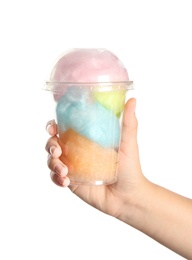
x,y
164,216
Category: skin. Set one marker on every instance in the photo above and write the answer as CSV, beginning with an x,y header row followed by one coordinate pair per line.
x,y
157,212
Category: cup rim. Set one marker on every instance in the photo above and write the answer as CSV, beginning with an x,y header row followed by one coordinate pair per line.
x,y
99,86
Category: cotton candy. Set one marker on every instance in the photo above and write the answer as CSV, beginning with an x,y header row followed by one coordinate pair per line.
x,y
89,65
76,110
112,100
89,88
87,161
85,66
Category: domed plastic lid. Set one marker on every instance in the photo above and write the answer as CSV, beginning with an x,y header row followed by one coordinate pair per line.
x,y
86,66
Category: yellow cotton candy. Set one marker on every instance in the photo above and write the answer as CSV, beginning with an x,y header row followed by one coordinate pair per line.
x,y
112,100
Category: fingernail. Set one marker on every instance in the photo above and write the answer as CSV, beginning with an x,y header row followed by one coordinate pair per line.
x,y
60,182
49,124
52,150
64,182
61,170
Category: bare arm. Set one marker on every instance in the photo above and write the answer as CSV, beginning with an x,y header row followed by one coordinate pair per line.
x,y
159,213
164,216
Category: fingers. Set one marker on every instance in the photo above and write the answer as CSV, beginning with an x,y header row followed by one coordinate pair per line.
x,y
51,127
57,166
59,171
60,181
53,147
130,120
130,125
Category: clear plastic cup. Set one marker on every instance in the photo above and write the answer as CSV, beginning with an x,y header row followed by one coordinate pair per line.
x,y
89,87
89,119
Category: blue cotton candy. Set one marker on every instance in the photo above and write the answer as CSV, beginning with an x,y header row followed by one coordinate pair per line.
x,y
78,111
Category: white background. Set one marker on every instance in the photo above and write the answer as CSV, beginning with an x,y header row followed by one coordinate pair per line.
x,y
39,220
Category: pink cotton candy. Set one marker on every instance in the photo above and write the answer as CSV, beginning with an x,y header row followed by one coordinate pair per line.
x,y
85,66
89,65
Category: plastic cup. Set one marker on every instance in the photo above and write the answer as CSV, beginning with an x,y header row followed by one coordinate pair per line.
x,y
89,119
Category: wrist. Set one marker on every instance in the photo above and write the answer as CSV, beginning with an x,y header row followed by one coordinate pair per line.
x,y
134,210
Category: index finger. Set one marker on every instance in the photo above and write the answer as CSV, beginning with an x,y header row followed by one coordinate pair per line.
x,y
53,147
51,127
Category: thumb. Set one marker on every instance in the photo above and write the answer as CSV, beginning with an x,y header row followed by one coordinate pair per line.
x,y
129,129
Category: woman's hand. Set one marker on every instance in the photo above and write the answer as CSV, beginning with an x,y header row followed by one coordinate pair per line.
x,y
109,198
159,213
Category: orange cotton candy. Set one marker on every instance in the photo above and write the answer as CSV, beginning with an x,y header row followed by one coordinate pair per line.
x,y
88,162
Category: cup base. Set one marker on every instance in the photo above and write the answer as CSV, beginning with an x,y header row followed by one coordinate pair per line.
x,y
92,183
